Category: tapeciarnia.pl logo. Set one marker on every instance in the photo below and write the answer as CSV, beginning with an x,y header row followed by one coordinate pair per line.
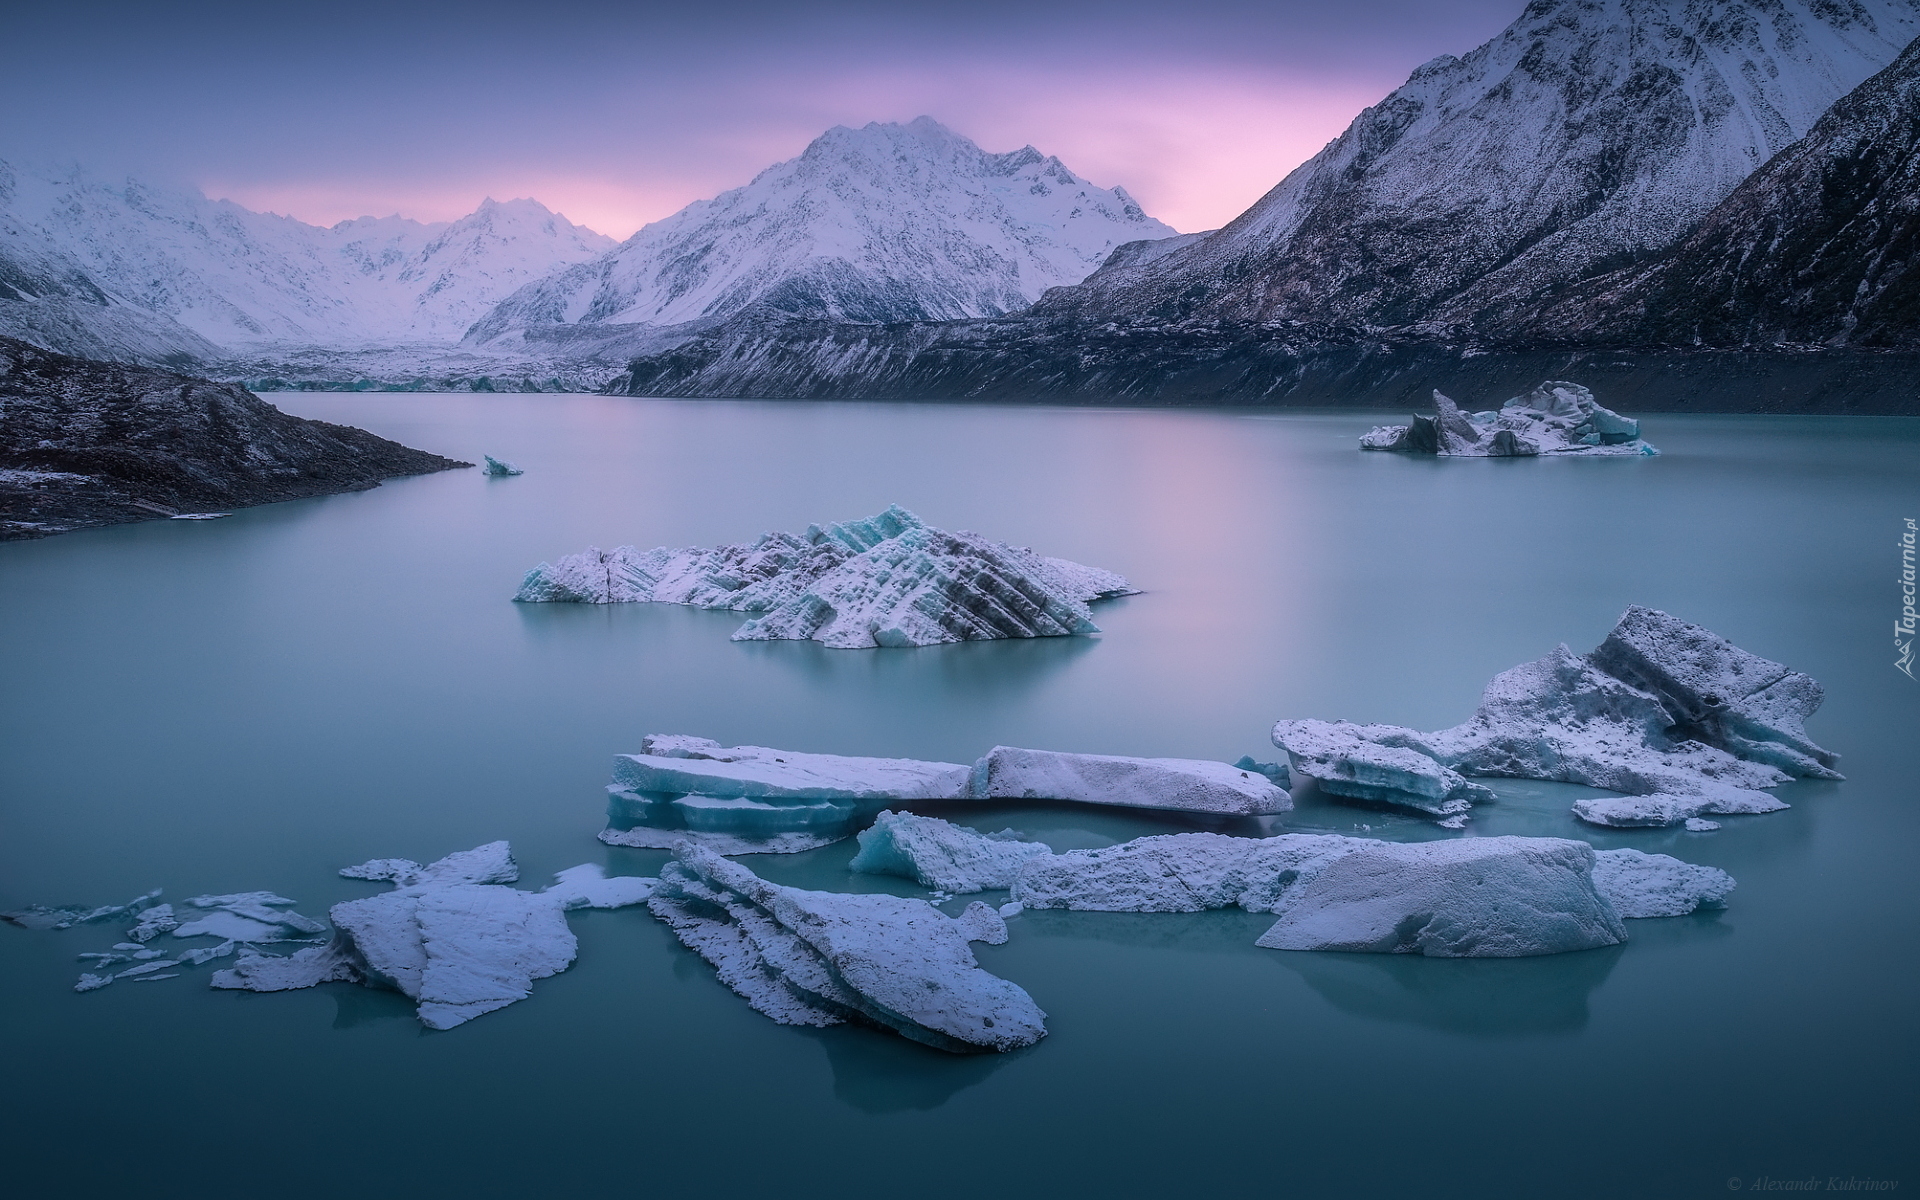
x,y
1903,628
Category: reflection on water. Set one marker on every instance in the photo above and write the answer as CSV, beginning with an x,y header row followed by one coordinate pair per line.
x,y
1488,997
877,1072
965,672
354,1005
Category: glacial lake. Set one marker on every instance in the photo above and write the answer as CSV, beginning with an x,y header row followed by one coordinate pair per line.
x,y
255,702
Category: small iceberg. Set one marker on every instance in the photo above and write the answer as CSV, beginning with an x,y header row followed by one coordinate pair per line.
x,y
1662,710
1658,885
1182,784
1178,872
1555,418
759,800
198,516
1498,897
890,580
825,958
450,936
500,468
940,854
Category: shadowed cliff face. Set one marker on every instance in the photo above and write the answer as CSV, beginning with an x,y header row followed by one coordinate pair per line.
x,y
1818,247
85,443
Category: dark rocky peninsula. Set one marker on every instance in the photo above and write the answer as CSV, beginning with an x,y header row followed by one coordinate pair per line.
x,y
85,443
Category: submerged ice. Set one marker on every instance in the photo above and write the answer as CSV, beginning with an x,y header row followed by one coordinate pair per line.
x,y
889,580
1555,418
1661,709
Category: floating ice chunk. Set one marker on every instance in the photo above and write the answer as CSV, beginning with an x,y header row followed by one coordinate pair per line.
x,y
1347,760
1572,718
894,962
1555,418
147,968
450,937
759,772
158,978
753,799
979,923
206,954
153,922
232,927
940,854
1278,772
890,580
1012,908
500,467
587,886
491,863
1696,825
40,916
1660,809
240,901
1180,872
1500,897
1658,885
92,983
1189,785
1718,693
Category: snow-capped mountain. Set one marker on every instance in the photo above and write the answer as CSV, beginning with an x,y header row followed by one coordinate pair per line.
x,y
128,265
1587,134
1819,247
883,223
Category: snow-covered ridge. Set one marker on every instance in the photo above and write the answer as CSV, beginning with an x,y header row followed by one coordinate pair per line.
x,y
1587,132
886,222
171,260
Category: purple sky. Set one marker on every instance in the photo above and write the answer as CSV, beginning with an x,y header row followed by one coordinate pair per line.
x,y
618,114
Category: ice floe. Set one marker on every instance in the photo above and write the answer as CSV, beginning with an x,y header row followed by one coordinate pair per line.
x,y
1658,885
1498,897
1555,418
1660,708
1187,785
758,800
500,467
1179,872
450,936
822,958
889,580
41,916
940,854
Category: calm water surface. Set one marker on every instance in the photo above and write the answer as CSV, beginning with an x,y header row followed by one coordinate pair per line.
x,y
255,702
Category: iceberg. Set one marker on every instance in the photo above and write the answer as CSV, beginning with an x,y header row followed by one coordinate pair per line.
x,y
450,936
1179,872
757,800
890,580
980,922
940,854
500,468
65,916
1638,812
1658,885
1499,897
824,958
1661,709
1183,784
1556,417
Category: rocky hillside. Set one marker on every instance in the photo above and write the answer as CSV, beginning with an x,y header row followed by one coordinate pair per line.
x,y
1819,247
85,443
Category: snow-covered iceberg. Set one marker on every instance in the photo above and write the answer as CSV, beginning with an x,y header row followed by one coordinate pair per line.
x,y
753,799
823,958
1658,885
1661,707
942,855
1555,418
889,580
1184,784
500,467
450,936
1500,897
1180,872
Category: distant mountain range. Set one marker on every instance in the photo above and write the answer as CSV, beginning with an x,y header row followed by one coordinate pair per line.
x,y
1632,192
1585,182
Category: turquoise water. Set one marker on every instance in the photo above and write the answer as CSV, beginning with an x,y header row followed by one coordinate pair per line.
x,y
255,702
